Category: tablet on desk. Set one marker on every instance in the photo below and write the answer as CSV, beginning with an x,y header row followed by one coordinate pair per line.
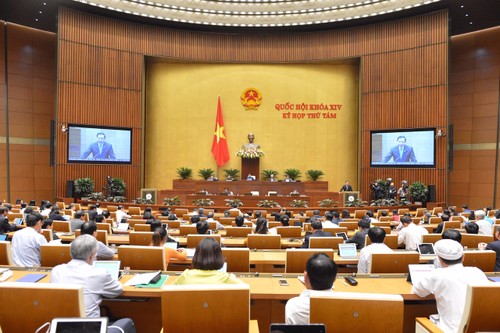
x,y
341,234
311,328
18,220
3,237
84,325
426,249
348,251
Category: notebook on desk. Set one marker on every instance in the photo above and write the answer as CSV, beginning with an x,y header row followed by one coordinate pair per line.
x,y
348,251
86,325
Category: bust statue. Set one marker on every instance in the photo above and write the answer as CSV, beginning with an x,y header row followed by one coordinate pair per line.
x,y
250,144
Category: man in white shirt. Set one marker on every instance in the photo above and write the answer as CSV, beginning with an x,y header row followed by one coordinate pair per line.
x,y
96,282
319,276
485,227
328,223
449,284
377,236
285,222
210,218
26,242
410,234
121,214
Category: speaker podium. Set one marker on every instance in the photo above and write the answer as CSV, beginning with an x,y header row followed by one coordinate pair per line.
x,y
149,194
250,166
349,196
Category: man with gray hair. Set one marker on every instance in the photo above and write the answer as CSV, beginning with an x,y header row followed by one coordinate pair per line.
x,y
449,284
485,227
96,282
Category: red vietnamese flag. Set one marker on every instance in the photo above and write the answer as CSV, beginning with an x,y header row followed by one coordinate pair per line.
x,y
219,144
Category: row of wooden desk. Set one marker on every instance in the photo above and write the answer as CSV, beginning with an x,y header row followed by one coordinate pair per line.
x,y
268,297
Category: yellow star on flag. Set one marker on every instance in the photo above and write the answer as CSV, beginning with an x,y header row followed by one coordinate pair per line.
x,y
219,132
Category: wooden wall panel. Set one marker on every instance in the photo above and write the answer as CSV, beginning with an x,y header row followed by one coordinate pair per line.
x,y
474,103
31,59
403,66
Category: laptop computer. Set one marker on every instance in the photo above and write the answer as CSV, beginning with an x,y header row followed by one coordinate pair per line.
x,y
426,249
3,237
172,245
83,325
18,220
341,234
311,328
348,251
112,266
122,227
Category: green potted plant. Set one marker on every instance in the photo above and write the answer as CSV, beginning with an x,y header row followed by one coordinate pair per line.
x,y
418,192
314,175
184,172
205,173
231,174
294,174
97,196
84,187
266,174
117,187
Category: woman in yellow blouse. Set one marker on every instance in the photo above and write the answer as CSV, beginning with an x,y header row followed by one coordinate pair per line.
x,y
207,262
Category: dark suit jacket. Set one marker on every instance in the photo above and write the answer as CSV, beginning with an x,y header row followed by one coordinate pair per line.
x,y
408,155
359,239
495,246
345,188
107,152
319,233
5,226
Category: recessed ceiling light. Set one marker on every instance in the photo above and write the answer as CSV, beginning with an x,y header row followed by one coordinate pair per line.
x,y
40,11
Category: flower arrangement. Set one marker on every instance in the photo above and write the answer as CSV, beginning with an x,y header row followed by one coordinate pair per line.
x,y
231,202
328,203
250,153
203,202
268,204
298,203
174,201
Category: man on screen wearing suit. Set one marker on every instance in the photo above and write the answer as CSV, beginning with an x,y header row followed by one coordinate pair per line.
x,y
100,150
401,153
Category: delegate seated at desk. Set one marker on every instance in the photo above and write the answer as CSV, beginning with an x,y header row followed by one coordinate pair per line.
x,y
96,282
207,261
319,276
449,284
